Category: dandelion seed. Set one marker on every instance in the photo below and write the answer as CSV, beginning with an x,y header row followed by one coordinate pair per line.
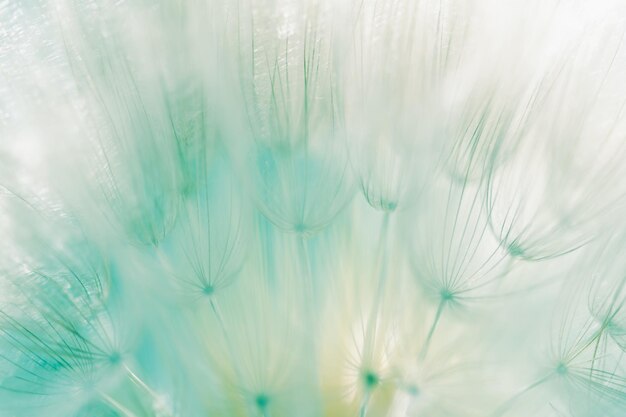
x,y
180,235
562,211
297,167
207,248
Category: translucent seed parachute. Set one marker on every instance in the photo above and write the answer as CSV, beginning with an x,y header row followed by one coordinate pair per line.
x,y
312,208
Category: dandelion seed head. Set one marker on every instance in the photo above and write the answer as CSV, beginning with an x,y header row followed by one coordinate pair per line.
x,y
182,233
370,379
262,401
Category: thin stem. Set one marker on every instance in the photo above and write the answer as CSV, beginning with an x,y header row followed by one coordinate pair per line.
x,y
309,290
431,332
364,404
382,278
309,303
141,384
370,335
220,320
382,250
222,325
303,253
137,381
116,405
508,403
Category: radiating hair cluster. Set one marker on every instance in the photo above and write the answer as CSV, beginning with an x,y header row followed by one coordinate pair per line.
x,y
312,208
